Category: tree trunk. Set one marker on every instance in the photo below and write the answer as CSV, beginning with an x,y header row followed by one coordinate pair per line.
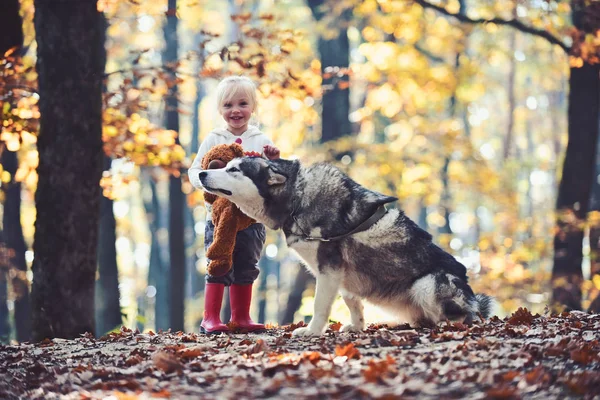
x,y
594,236
13,237
194,279
4,314
261,295
70,65
446,197
303,277
512,101
11,29
158,276
575,185
11,35
176,197
334,53
108,308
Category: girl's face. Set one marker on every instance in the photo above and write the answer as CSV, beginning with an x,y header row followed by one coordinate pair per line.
x,y
236,112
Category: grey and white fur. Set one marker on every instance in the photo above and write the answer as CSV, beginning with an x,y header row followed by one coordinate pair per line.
x,y
393,264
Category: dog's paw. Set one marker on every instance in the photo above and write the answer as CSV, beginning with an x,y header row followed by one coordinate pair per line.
x,y
307,331
352,328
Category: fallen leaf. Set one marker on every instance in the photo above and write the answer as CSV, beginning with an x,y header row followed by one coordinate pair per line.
x,y
166,362
335,326
347,351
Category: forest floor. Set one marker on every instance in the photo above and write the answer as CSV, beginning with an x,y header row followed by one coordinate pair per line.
x,y
522,356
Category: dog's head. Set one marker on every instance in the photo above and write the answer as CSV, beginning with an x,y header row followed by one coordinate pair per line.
x,y
251,183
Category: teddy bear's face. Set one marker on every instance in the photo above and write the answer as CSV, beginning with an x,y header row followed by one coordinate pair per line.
x,y
220,155
216,164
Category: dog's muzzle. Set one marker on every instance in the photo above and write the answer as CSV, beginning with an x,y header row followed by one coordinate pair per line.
x,y
203,175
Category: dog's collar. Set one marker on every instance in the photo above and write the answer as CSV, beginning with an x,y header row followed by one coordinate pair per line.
x,y
369,222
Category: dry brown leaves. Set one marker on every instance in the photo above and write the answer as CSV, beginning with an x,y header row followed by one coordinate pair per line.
x,y
522,356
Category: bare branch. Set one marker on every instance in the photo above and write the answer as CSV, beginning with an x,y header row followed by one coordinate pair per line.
x,y
147,69
29,89
499,21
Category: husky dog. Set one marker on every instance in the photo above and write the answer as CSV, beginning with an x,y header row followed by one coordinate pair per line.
x,y
350,242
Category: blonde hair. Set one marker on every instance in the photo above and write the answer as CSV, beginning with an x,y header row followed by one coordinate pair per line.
x,y
229,87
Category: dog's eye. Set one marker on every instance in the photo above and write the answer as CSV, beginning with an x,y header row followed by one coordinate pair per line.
x,y
233,169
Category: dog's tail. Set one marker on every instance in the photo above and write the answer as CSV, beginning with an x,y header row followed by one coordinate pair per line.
x,y
486,305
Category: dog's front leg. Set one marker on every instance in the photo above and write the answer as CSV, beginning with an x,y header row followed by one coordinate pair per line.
x,y
328,284
357,318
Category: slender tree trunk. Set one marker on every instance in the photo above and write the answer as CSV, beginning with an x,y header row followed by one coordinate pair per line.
x,y
334,54
108,308
264,266
512,73
303,277
176,197
70,65
11,35
11,29
13,237
195,280
446,196
575,185
594,236
422,219
157,272
4,314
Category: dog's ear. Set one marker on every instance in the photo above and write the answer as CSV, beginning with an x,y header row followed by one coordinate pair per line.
x,y
275,178
386,199
377,198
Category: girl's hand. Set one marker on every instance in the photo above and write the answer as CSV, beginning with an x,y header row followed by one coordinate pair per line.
x,y
271,152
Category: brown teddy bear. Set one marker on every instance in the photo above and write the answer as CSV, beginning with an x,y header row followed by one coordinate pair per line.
x,y
226,216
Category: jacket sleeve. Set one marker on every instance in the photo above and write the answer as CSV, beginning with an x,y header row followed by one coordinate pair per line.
x,y
265,141
196,167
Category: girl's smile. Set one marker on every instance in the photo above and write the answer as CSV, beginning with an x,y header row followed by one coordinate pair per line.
x,y
236,112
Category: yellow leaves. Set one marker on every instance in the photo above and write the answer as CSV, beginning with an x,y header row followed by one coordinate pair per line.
x,y
382,54
453,6
109,131
491,28
442,73
416,173
106,5
516,274
366,7
370,34
468,93
575,62
12,142
5,177
386,99
563,7
408,31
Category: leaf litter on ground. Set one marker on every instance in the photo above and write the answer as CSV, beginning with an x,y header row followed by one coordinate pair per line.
x,y
522,356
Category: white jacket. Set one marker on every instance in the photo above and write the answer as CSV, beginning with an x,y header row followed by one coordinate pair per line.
x,y
252,140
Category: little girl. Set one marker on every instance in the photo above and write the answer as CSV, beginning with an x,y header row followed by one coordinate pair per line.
x,y
236,99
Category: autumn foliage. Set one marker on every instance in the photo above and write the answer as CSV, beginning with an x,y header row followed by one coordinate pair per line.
x,y
552,356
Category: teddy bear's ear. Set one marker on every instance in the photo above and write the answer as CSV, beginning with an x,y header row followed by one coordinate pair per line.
x,y
238,150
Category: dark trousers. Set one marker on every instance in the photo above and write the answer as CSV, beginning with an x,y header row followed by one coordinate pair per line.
x,y
248,247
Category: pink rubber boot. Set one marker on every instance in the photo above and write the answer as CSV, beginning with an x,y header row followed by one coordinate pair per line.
x,y
240,297
213,297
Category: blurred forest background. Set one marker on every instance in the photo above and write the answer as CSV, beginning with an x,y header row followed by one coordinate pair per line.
x,y
463,109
